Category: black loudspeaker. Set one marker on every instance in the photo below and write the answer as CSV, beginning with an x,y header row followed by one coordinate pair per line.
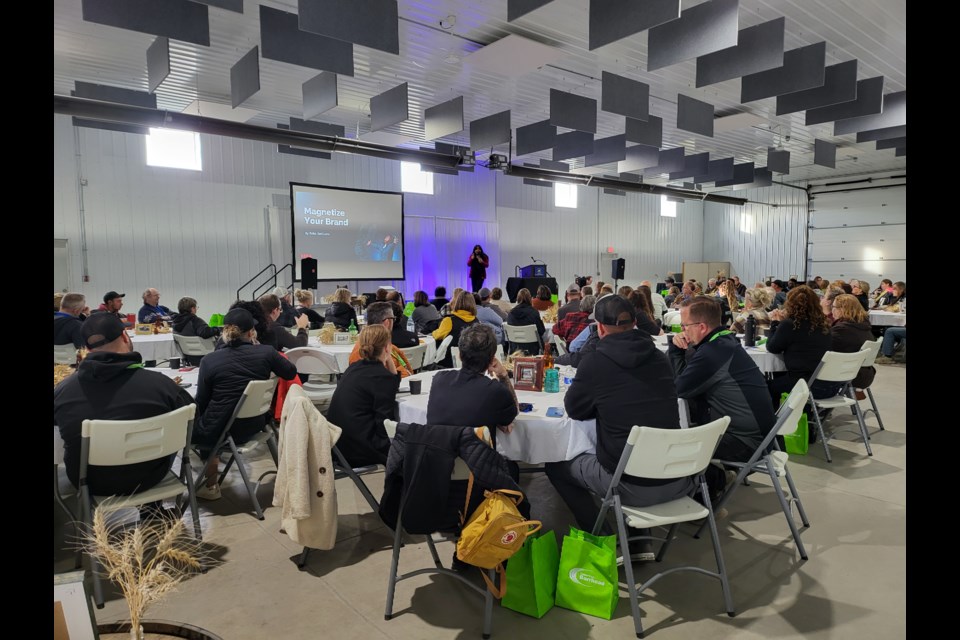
x,y
308,273
618,267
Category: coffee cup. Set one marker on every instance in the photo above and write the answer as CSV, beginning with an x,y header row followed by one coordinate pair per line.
x,y
415,387
174,363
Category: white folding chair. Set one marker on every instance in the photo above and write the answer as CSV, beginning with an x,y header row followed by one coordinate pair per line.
x,y
561,345
525,334
415,356
110,443
442,351
500,356
840,368
670,318
665,454
873,350
193,345
455,357
315,362
64,354
770,460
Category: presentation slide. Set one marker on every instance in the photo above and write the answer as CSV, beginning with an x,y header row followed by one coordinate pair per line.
x,y
354,235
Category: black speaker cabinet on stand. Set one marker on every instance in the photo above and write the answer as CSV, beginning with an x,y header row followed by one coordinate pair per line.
x,y
617,269
308,273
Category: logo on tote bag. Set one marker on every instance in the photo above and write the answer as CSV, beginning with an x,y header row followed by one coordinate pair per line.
x,y
585,578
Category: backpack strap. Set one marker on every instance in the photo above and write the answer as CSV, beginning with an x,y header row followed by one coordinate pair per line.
x,y
466,503
491,587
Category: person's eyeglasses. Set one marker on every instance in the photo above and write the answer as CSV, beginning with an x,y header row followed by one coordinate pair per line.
x,y
689,324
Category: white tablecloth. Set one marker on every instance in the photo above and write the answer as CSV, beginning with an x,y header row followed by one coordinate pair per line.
x,y
766,361
887,319
155,347
342,351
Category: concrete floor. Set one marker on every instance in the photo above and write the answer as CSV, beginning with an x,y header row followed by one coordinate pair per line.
x,y
853,585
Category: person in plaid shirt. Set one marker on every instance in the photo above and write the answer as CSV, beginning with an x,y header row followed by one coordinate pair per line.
x,y
575,321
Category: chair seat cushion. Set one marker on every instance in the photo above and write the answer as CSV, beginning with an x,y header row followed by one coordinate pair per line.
x,y
681,510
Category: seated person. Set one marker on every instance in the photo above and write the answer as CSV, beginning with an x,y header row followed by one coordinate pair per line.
x,y
645,322
365,396
859,289
801,332
288,316
383,314
447,309
112,303
399,334
755,304
187,323
111,384
485,301
496,297
570,326
67,325
439,298
523,314
341,313
277,336
489,316
152,310
894,338
305,307
426,317
572,303
893,297
463,313
850,331
544,299
224,375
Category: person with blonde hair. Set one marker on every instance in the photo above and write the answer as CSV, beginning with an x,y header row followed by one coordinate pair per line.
x,y
341,313
304,298
755,304
365,396
463,313
826,302
850,331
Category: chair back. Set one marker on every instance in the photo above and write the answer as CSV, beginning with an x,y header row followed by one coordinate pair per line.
x,y
670,318
665,454
108,443
193,345
256,399
872,347
500,355
313,361
561,345
415,356
442,350
523,334
391,428
455,357
838,367
64,354
789,413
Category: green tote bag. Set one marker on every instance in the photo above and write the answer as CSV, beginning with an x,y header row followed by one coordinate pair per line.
x,y
587,579
532,576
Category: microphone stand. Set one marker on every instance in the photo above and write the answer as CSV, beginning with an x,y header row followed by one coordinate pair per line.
x,y
543,263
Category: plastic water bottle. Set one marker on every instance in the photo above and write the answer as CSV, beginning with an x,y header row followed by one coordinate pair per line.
x,y
410,326
551,381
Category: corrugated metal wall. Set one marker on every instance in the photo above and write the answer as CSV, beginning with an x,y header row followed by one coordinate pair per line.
x,y
758,240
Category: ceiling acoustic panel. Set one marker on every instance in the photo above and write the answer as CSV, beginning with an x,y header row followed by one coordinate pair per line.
x,y
902,152
721,169
648,133
882,134
537,183
869,101
894,115
371,23
158,62
758,48
762,177
282,40
742,174
575,144
839,85
695,165
297,151
606,150
625,97
631,177
571,111
177,19
443,119
612,20
230,5
389,108
694,115
119,95
825,154
490,131
702,29
671,160
319,128
554,166
320,94
639,157
802,69
892,143
778,160
518,8
535,137
245,77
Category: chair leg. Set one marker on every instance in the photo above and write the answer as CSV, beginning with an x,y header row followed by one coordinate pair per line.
x,y
226,468
796,497
876,411
823,439
251,491
394,564
863,428
302,560
186,475
715,538
433,552
628,567
786,511
360,484
666,543
272,446
488,606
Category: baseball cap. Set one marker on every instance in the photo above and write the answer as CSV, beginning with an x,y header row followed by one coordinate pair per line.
x,y
780,283
610,308
100,329
573,288
280,292
240,318
484,293
110,295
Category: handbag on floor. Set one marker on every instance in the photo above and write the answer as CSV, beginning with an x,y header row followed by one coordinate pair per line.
x,y
587,578
798,442
532,574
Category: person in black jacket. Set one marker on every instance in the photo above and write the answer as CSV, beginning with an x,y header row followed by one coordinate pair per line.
x,y
574,358
224,375
186,322
276,335
399,335
288,316
524,315
67,325
111,384
366,395
626,381
341,313
439,298
801,332
305,307
850,332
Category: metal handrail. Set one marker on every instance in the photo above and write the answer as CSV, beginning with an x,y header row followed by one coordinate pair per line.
x,y
258,274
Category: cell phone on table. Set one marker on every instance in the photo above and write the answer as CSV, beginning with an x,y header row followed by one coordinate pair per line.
x,y
554,412
188,368
525,407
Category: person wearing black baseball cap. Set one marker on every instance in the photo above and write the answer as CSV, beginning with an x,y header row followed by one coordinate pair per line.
x,y
111,384
112,303
626,381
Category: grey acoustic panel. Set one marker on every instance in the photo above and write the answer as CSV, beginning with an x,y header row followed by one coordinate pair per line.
x,y
624,96
694,115
689,185
758,48
297,151
702,29
894,115
282,40
671,160
443,119
869,101
631,177
158,62
230,5
320,94
721,169
825,154
778,160
554,166
572,111
802,69
612,20
113,94
490,131
901,152
535,137
882,134
177,19
372,23
389,108
612,149
451,149
517,8
614,192
839,85
742,174
245,77
892,143
762,177
319,128
537,183
641,156
648,133
447,171
695,165
572,145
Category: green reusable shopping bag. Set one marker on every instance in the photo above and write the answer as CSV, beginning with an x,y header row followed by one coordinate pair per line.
x,y
587,578
532,576
798,442
408,310
216,320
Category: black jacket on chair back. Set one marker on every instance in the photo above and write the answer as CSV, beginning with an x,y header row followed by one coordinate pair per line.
x,y
522,315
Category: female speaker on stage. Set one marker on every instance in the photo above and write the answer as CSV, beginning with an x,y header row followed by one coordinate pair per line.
x,y
478,263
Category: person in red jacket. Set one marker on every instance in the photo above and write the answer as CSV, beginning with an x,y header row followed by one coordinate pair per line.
x,y
478,263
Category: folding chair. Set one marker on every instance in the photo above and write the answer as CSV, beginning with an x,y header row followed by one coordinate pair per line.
x,y
455,357
315,362
769,459
193,345
873,349
255,401
108,443
460,472
441,352
664,454
64,354
415,356
839,368
561,345
525,334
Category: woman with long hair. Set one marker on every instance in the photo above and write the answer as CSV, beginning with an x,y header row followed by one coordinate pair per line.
x,y
426,317
645,321
801,332
850,331
341,313
523,314
478,263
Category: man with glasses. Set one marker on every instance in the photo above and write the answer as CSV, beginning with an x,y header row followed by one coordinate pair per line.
x,y
717,377
382,313
152,310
